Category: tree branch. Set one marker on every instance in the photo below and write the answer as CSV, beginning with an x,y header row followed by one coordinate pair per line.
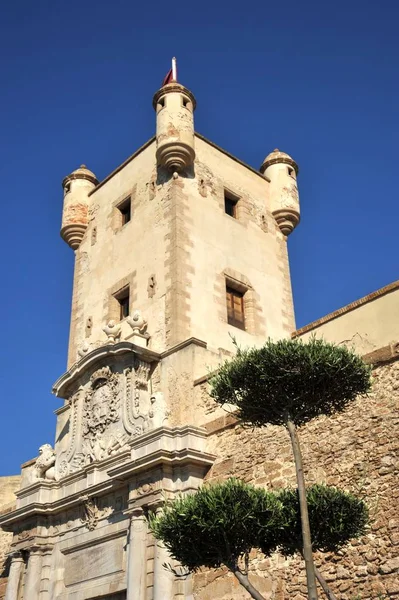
x,y
246,584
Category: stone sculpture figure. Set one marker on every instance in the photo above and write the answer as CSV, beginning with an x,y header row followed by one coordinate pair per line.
x,y
44,465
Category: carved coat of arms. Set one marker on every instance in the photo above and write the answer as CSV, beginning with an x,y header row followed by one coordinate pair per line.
x,y
111,409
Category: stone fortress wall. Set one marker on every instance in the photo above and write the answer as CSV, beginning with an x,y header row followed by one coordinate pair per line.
x,y
357,451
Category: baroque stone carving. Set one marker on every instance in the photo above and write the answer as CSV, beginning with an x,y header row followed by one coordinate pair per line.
x,y
101,409
91,513
137,409
95,509
106,413
44,465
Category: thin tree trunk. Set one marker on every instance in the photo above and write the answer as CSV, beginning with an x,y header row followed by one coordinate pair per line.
x,y
306,539
329,593
323,583
243,579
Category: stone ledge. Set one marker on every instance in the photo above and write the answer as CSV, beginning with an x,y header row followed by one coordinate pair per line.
x,y
181,345
221,423
382,355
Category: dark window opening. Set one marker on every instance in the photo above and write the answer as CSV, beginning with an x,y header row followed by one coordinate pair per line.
x,y
161,104
230,205
185,101
290,171
123,299
126,210
235,307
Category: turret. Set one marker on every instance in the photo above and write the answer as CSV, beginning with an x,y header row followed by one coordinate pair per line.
x,y
282,171
174,105
77,187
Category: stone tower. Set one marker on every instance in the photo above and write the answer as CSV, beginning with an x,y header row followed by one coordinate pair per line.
x,y
177,250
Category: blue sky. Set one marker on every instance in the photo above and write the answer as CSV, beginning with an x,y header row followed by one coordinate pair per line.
x,y
317,80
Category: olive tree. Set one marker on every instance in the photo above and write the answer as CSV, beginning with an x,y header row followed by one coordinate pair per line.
x,y
335,517
220,524
288,383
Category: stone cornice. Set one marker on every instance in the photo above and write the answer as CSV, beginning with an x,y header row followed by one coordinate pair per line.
x,y
381,355
60,388
164,446
185,456
50,508
182,345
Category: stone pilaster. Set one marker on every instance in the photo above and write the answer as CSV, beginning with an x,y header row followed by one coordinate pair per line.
x,y
46,573
163,579
137,557
33,574
14,577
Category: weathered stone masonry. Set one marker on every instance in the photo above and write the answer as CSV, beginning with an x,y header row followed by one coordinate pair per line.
x,y
357,451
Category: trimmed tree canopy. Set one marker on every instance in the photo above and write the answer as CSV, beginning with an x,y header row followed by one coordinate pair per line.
x,y
335,518
218,524
222,522
290,380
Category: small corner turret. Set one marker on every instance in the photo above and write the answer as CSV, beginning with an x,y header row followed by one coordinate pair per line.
x,y
282,170
77,187
174,105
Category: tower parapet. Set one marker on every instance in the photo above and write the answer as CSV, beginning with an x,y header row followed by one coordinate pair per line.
x,y
175,105
282,170
77,187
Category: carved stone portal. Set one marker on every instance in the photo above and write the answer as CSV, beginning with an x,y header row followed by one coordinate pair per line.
x,y
107,413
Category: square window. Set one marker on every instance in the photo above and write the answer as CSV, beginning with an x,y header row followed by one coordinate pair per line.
x,y
230,205
123,299
125,209
235,307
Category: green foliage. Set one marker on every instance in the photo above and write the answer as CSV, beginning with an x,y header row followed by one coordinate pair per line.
x,y
221,523
290,380
218,524
335,517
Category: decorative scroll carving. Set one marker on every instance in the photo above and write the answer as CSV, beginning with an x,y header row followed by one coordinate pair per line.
x,y
137,406
91,513
96,508
67,458
44,465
